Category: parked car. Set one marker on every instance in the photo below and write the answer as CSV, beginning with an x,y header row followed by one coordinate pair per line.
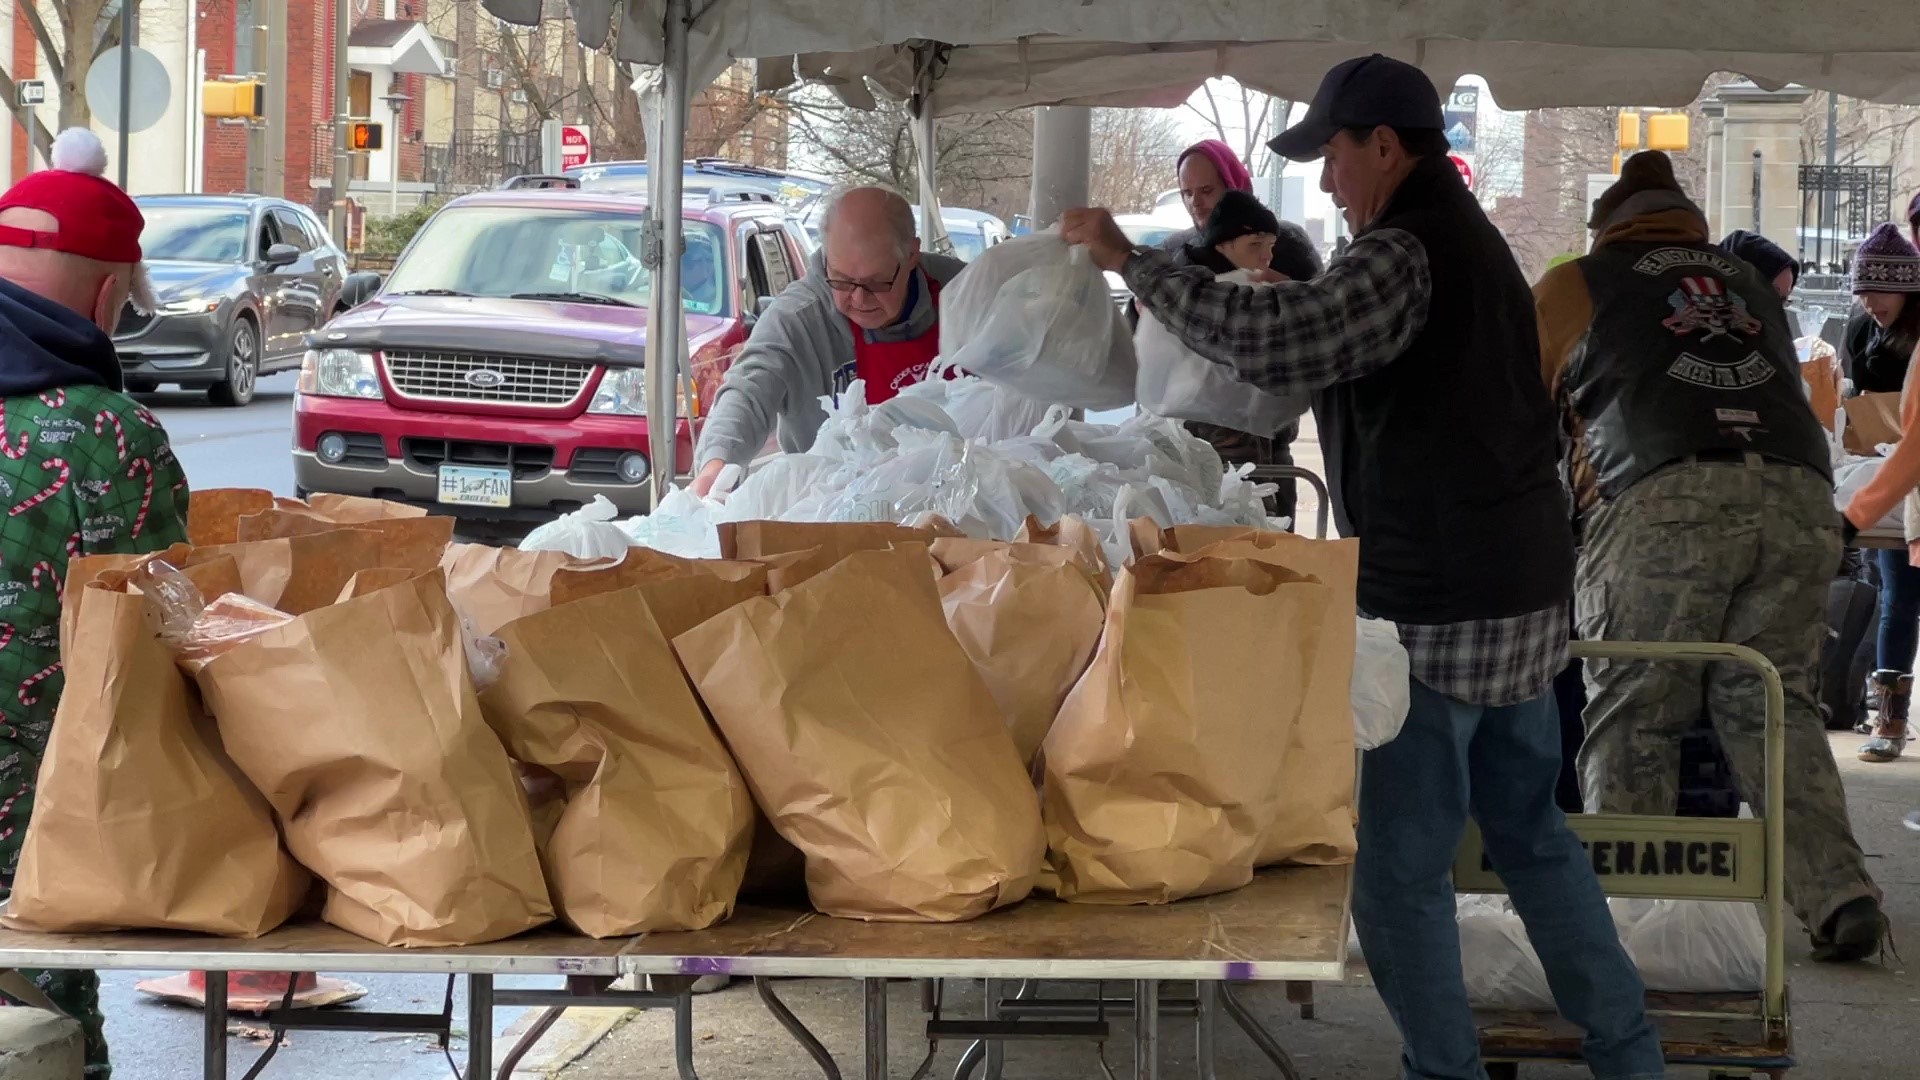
x,y
792,189
499,372
241,281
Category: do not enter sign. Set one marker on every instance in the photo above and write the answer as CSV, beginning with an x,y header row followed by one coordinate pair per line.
x,y
576,145
1466,170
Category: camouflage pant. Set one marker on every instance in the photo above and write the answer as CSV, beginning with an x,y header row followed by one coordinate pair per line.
x,y
1729,552
76,992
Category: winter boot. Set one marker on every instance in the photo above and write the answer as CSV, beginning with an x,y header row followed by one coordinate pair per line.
x,y
1890,734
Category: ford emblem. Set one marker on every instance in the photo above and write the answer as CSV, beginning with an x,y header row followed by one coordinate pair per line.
x,y
485,379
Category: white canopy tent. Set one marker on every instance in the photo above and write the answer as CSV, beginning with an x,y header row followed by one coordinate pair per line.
x,y
1008,53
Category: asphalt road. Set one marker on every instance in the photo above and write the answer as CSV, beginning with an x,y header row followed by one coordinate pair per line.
x,y
250,448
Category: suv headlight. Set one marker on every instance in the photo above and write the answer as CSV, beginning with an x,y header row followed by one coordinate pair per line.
x,y
346,373
191,305
622,392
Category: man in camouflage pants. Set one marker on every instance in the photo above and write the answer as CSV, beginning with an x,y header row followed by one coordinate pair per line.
x,y
83,469
1705,490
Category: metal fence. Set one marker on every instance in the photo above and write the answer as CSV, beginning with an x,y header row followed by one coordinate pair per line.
x,y
478,159
1839,206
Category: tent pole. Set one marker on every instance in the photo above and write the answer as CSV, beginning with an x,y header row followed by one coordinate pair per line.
x,y
1062,155
665,313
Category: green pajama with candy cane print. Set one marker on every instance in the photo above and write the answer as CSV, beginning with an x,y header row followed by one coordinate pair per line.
x,y
83,471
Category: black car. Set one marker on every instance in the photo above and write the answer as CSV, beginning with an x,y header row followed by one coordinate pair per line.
x,y
241,280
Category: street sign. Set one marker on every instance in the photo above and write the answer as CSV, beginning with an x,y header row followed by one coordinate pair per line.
x,y
152,90
31,92
1466,169
576,145
1462,119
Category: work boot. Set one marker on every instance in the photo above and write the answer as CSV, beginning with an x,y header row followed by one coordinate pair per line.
x,y
1853,933
1890,733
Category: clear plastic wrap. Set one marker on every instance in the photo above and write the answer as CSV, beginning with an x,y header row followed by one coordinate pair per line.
x,y
228,622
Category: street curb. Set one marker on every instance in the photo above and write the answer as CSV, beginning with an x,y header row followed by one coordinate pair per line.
x,y
579,1029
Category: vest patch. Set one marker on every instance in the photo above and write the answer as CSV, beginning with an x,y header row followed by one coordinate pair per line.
x,y
1655,263
1737,375
1702,305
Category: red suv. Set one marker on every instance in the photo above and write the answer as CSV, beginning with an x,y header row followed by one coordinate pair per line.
x,y
498,373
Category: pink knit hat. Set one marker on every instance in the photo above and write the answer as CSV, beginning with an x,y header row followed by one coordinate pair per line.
x,y
1232,173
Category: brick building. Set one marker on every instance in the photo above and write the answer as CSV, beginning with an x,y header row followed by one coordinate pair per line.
x,y
391,55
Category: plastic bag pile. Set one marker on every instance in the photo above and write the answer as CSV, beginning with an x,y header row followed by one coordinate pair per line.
x,y
932,451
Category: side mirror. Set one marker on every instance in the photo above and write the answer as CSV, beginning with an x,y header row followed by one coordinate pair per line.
x,y
280,255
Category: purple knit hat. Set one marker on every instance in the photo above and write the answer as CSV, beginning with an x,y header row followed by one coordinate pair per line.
x,y
1886,263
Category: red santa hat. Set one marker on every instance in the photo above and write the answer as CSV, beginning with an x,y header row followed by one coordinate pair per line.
x,y
97,220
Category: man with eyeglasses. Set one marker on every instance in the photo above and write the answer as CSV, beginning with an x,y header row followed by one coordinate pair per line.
x,y
867,308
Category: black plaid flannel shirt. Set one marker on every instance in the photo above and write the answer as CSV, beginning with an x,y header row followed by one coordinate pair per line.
x,y
1349,322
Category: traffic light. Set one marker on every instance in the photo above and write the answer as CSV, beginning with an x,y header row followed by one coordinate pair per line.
x,y
1629,131
223,100
363,135
1668,131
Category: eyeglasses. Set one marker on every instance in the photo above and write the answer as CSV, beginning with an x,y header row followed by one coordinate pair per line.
x,y
871,288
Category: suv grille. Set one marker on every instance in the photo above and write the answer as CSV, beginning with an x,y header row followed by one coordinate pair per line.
x,y
515,380
131,322
527,462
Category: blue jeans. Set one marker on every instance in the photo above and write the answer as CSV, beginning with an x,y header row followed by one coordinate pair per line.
x,y
1501,765
1899,611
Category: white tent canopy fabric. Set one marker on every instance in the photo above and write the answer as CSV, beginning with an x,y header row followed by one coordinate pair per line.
x,y
1533,53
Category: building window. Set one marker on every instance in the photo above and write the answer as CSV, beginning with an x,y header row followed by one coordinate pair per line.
x,y
448,48
243,33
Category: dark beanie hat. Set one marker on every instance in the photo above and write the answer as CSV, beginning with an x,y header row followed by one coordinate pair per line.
x,y
1760,253
1238,214
1648,170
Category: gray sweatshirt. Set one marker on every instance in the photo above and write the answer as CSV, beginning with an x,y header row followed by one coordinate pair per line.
x,y
789,362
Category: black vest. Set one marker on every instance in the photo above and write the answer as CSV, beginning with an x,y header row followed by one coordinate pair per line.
x,y
1688,353
1444,463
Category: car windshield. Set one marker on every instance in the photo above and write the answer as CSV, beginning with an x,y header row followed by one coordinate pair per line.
x,y
968,244
194,233
589,255
1150,235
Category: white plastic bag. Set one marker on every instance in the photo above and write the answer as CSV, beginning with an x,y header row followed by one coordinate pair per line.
x,y
977,408
771,492
1382,690
1853,474
1498,962
587,533
1036,316
1175,381
1699,947
683,525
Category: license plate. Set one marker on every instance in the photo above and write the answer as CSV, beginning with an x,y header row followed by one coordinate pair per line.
x,y
462,485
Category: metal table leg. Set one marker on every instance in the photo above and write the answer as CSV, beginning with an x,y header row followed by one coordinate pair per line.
x,y
874,1010
821,1058
1261,1037
213,1053
1146,1029
1206,1008
479,1026
683,1035
996,1051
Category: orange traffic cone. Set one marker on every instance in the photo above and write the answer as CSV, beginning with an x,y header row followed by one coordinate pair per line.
x,y
255,991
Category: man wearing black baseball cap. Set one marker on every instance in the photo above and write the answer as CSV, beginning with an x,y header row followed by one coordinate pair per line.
x,y
1442,449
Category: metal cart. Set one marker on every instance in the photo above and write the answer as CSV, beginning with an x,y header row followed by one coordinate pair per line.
x,y
1733,1036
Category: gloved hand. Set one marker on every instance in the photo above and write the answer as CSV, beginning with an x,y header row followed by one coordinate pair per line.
x,y
1848,533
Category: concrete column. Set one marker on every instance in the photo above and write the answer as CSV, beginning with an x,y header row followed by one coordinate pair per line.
x,y
1716,115
1766,122
1062,161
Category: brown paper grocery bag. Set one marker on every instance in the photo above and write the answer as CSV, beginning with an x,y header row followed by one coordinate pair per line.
x,y
139,819
1161,767
657,822
352,509
1075,535
1029,617
213,516
1872,419
871,743
492,586
757,539
645,566
359,724
1315,822
415,543
298,574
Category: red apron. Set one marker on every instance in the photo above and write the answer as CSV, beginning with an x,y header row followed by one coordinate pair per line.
x,y
889,367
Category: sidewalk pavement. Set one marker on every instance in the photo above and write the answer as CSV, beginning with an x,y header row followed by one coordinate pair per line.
x,y
1850,1023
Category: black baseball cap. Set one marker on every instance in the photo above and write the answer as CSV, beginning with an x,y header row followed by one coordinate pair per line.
x,y
1365,92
